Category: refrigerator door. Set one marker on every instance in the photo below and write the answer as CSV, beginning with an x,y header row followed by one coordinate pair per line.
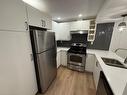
x,y
47,68
43,40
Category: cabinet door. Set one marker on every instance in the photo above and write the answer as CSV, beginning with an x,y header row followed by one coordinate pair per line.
x,y
38,18
90,61
74,26
55,28
16,66
64,58
58,59
85,25
80,25
47,21
96,73
34,16
64,31
13,15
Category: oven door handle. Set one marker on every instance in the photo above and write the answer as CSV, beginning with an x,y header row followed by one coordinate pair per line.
x,y
76,54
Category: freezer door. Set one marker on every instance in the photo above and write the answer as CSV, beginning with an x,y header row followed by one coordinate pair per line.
x,y
47,68
43,40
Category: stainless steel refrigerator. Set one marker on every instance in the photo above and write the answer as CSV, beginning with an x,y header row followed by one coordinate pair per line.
x,y
44,52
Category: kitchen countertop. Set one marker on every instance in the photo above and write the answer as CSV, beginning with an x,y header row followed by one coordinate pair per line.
x,y
62,48
116,77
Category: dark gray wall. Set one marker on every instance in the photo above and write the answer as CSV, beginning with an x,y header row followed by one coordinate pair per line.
x,y
103,36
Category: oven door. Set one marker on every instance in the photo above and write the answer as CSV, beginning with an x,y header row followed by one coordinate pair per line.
x,y
76,59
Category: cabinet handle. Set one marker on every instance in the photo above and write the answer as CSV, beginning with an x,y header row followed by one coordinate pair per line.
x,y
27,26
96,64
42,23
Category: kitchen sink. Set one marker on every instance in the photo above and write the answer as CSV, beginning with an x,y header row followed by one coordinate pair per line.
x,y
113,62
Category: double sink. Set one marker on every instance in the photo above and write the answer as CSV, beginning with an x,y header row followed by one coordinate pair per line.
x,y
113,62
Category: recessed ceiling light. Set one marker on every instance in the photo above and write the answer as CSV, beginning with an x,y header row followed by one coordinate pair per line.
x,y
59,18
80,15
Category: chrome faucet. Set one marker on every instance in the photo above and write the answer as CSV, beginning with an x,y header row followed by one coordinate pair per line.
x,y
119,49
125,61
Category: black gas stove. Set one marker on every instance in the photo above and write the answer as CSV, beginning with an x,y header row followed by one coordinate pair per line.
x,y
77,57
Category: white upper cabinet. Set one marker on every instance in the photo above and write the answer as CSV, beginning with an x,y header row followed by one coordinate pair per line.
x,y
34,16
12,15
80,25
64,31
55,29
47,21
38,18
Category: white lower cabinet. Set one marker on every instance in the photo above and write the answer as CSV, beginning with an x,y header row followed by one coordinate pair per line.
x,y
92,65
96,72
90,61
58,59
63,57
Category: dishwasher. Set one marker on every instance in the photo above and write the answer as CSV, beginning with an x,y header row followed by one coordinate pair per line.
x,y
103,86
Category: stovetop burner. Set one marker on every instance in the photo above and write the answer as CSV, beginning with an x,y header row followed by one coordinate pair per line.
x,y
78,45
77,48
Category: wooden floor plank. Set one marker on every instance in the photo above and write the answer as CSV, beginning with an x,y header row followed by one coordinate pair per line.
x,y
70,82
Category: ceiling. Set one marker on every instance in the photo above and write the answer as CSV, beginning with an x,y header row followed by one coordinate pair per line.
x,y
68,9
112,10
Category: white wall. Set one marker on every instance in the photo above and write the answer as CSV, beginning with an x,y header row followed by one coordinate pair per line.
x,y
17,73
119,40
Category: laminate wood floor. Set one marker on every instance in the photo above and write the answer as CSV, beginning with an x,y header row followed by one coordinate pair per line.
x,y
70,82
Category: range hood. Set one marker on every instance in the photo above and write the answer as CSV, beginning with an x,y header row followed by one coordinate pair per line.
x,y
79,32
